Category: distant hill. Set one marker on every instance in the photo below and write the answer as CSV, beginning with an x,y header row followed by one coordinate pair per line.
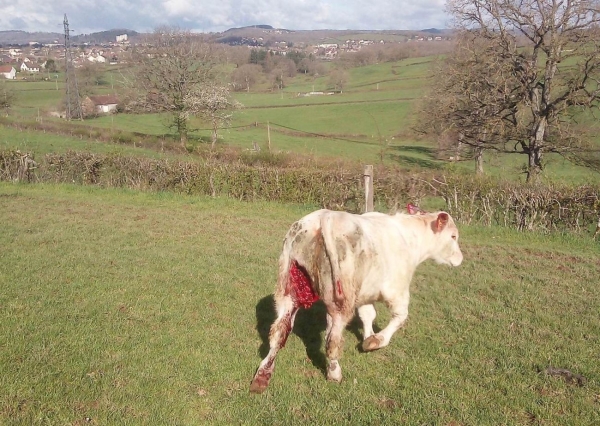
x,y
249,35
103,36
22,37
436,31
263,27
432,30
260,35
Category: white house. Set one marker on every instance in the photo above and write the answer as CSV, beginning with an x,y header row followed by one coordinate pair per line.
x,y
8,71
100,104
96,58
29,67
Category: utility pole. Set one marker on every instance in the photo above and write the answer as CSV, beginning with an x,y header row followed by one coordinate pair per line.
x,y
73,101
368,176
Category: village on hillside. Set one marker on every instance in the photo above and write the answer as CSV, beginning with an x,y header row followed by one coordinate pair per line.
x,y
23,61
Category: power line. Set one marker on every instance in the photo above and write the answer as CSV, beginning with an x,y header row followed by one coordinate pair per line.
x,y
73,101
312,134
321,135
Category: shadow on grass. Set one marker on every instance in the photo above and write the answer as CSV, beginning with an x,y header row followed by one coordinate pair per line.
x,y
423,156
309,326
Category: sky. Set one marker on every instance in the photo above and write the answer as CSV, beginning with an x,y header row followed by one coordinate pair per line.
x,y
89,16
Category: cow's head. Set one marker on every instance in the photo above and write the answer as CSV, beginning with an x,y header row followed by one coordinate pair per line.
x,y
445,249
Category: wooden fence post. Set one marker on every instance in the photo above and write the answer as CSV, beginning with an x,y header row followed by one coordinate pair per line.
x,y
368,188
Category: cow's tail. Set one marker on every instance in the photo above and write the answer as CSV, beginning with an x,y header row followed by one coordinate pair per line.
x,y
283,274
333,256
297,278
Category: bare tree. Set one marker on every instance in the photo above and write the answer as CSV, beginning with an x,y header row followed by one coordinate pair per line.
x,y
7,97
288,67
553,49
238,55
214,103
89,77
473,100
245,76
338,78
170,68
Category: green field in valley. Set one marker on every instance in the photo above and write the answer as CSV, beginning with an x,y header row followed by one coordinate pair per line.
x,y
373,119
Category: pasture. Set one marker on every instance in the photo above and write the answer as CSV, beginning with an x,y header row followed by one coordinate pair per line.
x,y
129,308
371,121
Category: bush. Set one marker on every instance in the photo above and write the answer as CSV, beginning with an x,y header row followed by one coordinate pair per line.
x,y
273,177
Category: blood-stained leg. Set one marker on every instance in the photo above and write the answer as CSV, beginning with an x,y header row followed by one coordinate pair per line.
x,y
294,291
280,330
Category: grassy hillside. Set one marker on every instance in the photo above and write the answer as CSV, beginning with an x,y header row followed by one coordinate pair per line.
x,y
121,307
370,121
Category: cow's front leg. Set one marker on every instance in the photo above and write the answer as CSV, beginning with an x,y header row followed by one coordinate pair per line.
x,y
278,335
399,310
367,315
335,339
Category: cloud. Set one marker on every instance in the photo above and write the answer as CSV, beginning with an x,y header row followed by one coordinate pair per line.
x,y
87,16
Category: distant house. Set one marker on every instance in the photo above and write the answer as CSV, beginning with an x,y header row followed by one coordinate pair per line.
x,y
29,67
96,58
8,71
100,104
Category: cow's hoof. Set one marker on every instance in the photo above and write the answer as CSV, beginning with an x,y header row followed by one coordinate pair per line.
x,y
371,343
334,372
259,384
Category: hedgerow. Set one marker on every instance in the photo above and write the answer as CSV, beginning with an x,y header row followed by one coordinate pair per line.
x,y
469,199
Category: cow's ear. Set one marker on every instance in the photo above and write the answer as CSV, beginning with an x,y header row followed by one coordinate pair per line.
x,y
412,209
441,221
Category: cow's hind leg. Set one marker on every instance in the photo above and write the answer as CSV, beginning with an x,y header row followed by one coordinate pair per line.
x,y
280,330
335,340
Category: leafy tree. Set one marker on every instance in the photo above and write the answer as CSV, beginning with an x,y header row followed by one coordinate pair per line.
x,y
296,55
258,56
51,65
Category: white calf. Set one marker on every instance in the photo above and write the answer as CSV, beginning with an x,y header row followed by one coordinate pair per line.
x,y
351,261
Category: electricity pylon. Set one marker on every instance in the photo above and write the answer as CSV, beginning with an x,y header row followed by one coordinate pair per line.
x,y
73,102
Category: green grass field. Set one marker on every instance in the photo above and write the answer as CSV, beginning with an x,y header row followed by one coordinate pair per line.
x,y
40,143
371,120
129,308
